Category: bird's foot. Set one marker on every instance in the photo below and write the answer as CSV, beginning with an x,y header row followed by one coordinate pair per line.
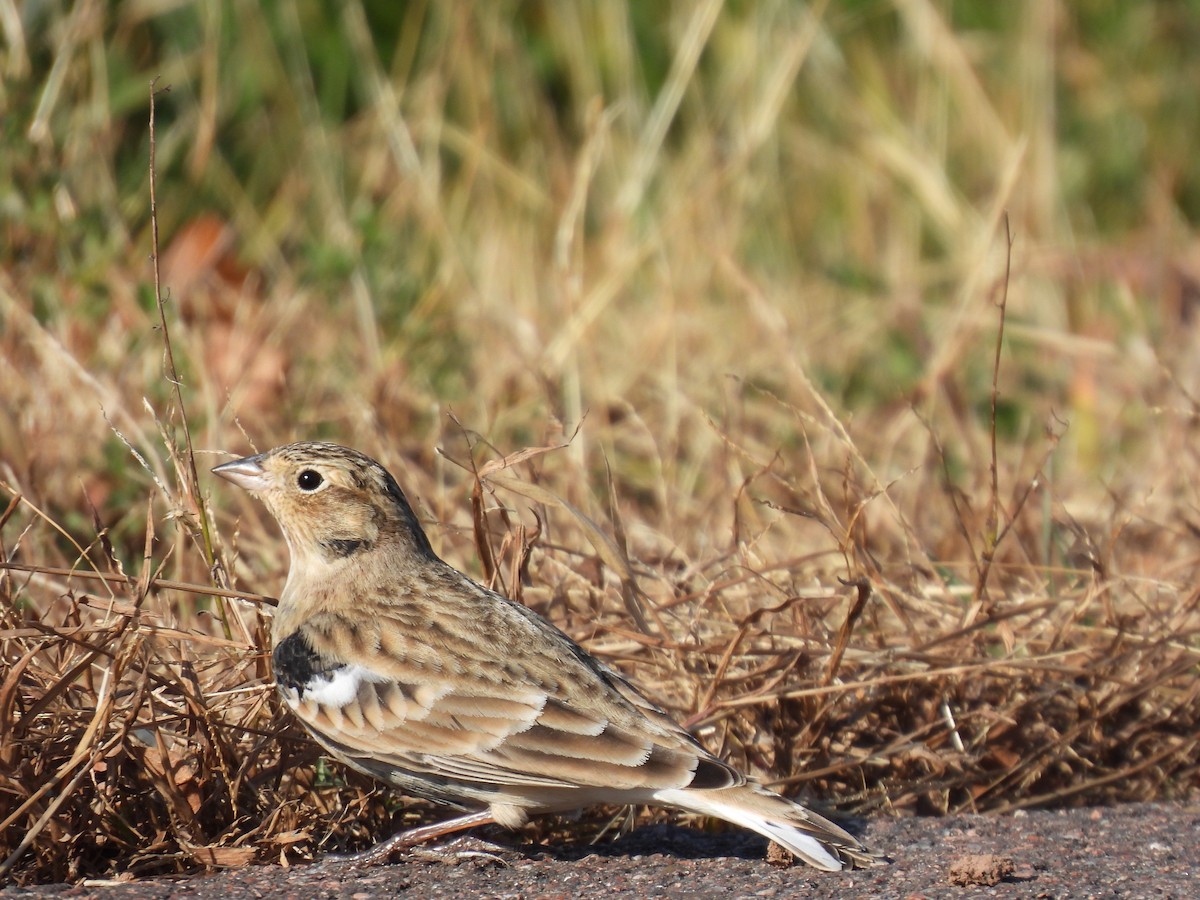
x,y
410,840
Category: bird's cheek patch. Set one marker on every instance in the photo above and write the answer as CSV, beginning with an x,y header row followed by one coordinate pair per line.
x,y
343,547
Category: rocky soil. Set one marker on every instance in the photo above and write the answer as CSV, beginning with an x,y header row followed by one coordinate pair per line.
x,y
1136,851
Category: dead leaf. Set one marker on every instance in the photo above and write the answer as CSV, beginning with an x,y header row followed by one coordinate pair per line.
x,y
223,857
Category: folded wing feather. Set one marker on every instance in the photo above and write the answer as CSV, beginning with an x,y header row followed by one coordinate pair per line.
x,y
384,710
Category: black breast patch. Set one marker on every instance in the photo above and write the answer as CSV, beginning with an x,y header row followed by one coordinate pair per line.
x,y
297,664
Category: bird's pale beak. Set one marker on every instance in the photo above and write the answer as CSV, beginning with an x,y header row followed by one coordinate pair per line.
x,y
246,473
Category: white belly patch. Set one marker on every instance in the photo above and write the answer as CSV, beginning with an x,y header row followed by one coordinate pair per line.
x,y
335,689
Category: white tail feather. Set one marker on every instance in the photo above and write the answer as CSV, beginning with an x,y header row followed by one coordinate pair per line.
x,y
805,834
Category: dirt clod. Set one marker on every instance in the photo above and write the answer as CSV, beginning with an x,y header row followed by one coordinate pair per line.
x,y
980,868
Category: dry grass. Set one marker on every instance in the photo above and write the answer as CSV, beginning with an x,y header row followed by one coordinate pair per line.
x,y
679,327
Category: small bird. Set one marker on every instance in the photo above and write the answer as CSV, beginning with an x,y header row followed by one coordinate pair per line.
x,y
407,670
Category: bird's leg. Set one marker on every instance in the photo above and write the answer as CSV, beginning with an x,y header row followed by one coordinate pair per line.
x,y
384,850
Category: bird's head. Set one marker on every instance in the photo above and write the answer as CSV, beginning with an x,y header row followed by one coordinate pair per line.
x,y
331,502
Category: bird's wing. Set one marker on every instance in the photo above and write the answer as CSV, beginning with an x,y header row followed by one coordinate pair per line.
x,y
403,702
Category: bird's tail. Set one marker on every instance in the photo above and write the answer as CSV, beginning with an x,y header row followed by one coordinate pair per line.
x,y
808,836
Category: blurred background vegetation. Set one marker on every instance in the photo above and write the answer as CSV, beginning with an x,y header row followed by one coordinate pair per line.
x,y
611,193
744,259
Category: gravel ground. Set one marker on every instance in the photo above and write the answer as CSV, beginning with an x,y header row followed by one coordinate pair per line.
x,y
1136,851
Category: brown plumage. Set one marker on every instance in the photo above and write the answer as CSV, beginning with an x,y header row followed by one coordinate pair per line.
x,y
409,671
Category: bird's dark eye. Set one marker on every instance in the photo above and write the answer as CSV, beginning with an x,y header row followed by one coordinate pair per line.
x,y
309,480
